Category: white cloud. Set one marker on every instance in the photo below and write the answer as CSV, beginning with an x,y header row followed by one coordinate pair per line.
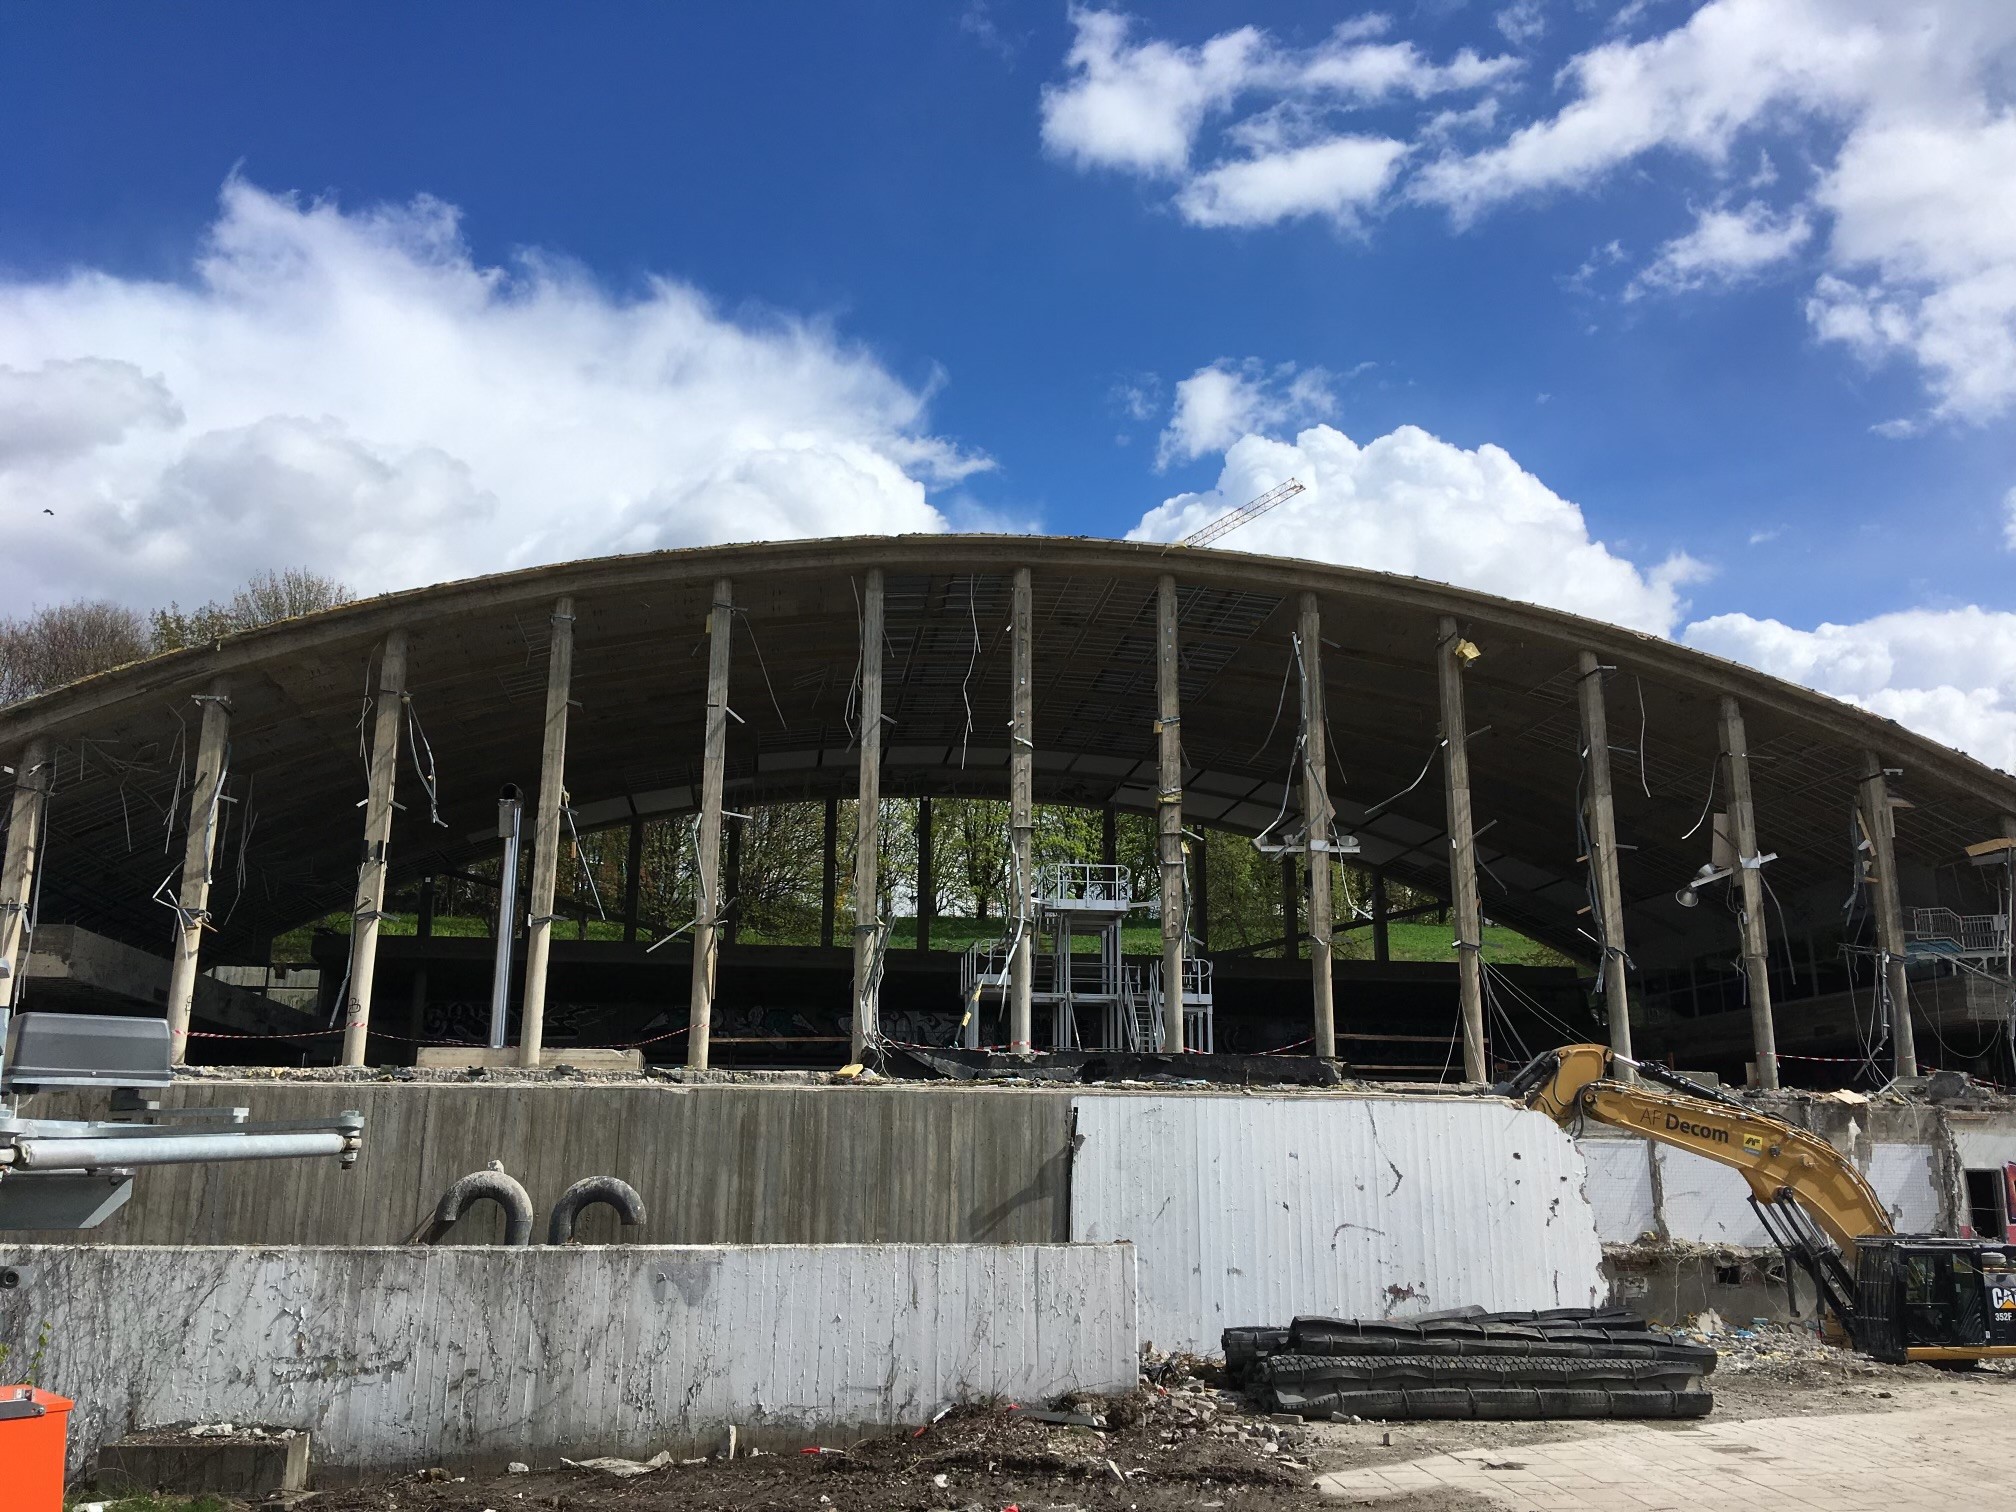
x,y
1522,22
1949,674
1334,179
1217,405
351,390
2009,519
1901,111
1725,247
1409,502
1139,106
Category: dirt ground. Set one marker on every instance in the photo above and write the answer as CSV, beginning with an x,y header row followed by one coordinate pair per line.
x,y
1180,1441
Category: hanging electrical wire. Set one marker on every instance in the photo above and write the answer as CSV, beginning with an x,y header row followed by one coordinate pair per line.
x,y
422,752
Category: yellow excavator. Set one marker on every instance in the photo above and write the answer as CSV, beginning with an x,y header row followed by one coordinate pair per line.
x,y
1893,1296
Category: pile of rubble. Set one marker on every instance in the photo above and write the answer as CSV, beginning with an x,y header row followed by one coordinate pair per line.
x,y
1566,1363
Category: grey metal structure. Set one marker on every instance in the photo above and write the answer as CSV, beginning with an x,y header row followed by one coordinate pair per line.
x,y
75,1173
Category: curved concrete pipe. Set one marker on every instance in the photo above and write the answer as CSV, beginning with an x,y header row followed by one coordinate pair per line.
x,y
586,1192
497,1187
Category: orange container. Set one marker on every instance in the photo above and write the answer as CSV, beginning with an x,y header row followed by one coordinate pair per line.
x,y
34,1425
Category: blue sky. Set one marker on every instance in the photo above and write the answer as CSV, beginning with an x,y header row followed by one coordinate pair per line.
x,y
1737,280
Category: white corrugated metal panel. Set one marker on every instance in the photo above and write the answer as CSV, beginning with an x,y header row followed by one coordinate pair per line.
x,y
1902,1175
1706,1203
396,1358
1249,1210
1620,1188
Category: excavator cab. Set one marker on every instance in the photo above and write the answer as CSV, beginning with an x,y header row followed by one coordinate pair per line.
x,y
1935,1300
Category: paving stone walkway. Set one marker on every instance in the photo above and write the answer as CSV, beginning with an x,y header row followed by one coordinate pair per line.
x,y
1954,1458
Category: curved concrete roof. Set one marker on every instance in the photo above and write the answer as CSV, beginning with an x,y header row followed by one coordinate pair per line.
x,y
477,677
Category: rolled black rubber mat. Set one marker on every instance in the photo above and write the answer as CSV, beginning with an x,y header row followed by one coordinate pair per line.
x,y
1303,1373
1245,1347
1504,1403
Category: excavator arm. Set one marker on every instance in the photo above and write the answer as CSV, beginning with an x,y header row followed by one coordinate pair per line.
x,y
1779,1162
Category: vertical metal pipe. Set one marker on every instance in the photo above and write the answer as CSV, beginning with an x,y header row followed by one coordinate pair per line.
x,y
829,871
1600,807
1463,897
868,818
1749,883
927,879
1022,813
546,830
369,907
1317,814
27,815
707,879
199,849
511,830
633,872
1169,808
1879,819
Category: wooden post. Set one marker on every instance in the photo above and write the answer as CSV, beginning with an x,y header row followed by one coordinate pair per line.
x,y
1599,806
1382,943
1467,907
370,904
1879,820
1169,809
1316,817
829,871
633,880
1749,883
927,881
868,817
1022,815
17,873
546,828
199,850
707,877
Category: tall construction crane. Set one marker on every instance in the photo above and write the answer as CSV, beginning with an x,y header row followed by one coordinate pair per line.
x,y
1232,519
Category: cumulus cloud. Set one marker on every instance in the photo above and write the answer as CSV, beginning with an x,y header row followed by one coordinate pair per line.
x,y
1946,673
352,389
1216,405
1900,108
1412,503
1139,105
1725,247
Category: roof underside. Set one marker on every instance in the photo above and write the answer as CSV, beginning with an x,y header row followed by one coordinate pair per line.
x,y
477,675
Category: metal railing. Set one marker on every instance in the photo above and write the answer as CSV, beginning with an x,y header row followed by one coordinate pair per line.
x,y
1941,931
1090,885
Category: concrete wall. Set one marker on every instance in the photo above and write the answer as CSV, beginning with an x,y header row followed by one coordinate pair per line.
x,y
1249,1210
715,1164
403,1358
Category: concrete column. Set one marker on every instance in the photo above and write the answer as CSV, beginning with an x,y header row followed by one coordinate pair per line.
x,y
1749,883
1382,942
1169,809
199,851
633,872
1600,808
1879,819
1316,813
731,885
868,816
546,828
1465,904
829,870
1291,909
17,872
370,905
1022,814
707,881
1200,890
927,879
